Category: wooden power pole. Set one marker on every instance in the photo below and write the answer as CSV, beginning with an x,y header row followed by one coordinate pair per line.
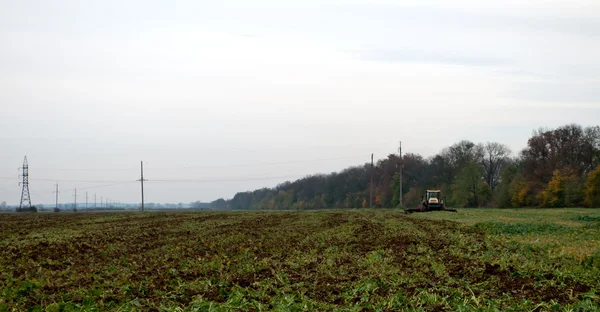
x,y
401,169
56,206
75,203
142,182
371,195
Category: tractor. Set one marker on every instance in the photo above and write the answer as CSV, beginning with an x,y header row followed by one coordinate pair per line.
x,y
432,201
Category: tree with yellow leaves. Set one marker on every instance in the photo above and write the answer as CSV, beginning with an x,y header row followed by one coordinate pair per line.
x,y
377,201
592,189
564,190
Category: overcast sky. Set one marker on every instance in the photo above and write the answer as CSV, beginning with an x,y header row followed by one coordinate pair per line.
x,y
238,95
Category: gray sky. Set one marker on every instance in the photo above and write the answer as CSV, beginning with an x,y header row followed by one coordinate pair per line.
x,y
237,95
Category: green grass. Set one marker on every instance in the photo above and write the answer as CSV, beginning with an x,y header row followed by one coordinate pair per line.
x,y
564,232
337,260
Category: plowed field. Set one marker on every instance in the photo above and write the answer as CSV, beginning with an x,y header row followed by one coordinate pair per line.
x,y
315,260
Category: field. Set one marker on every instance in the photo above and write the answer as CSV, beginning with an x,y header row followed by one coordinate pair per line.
x,y
345,260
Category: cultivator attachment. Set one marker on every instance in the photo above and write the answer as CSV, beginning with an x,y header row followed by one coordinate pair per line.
x,y
422,209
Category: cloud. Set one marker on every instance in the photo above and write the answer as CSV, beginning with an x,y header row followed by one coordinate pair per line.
x,y
413,56
115,82
576,94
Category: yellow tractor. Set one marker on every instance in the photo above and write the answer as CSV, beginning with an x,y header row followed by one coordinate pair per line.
x,y
432,201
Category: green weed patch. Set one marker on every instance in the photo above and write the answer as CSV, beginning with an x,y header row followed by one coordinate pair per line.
x,y
587,218
498,228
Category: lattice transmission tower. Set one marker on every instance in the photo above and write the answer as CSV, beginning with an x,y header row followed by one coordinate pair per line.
x,y
25,198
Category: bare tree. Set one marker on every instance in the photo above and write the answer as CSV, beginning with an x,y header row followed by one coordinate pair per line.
x,y
567,146
463,153
592,137
494,157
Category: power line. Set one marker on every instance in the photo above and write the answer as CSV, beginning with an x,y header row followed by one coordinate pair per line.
x,y
107,185
82,181
260,164
116,182
172,180
198,166
68,180
188,167
226,180
96,169
181,180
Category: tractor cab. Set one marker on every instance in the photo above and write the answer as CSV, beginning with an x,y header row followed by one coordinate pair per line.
x,y
433,199
433,195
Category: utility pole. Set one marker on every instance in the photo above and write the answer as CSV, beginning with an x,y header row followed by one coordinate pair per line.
x,y
101,202
56,207
75,204
86,200
142,182
371,196
401,169
95,202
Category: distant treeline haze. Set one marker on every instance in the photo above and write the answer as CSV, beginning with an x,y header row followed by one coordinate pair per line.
x,y
558,168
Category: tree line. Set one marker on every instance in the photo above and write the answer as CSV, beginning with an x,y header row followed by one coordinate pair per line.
x,y
558,168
